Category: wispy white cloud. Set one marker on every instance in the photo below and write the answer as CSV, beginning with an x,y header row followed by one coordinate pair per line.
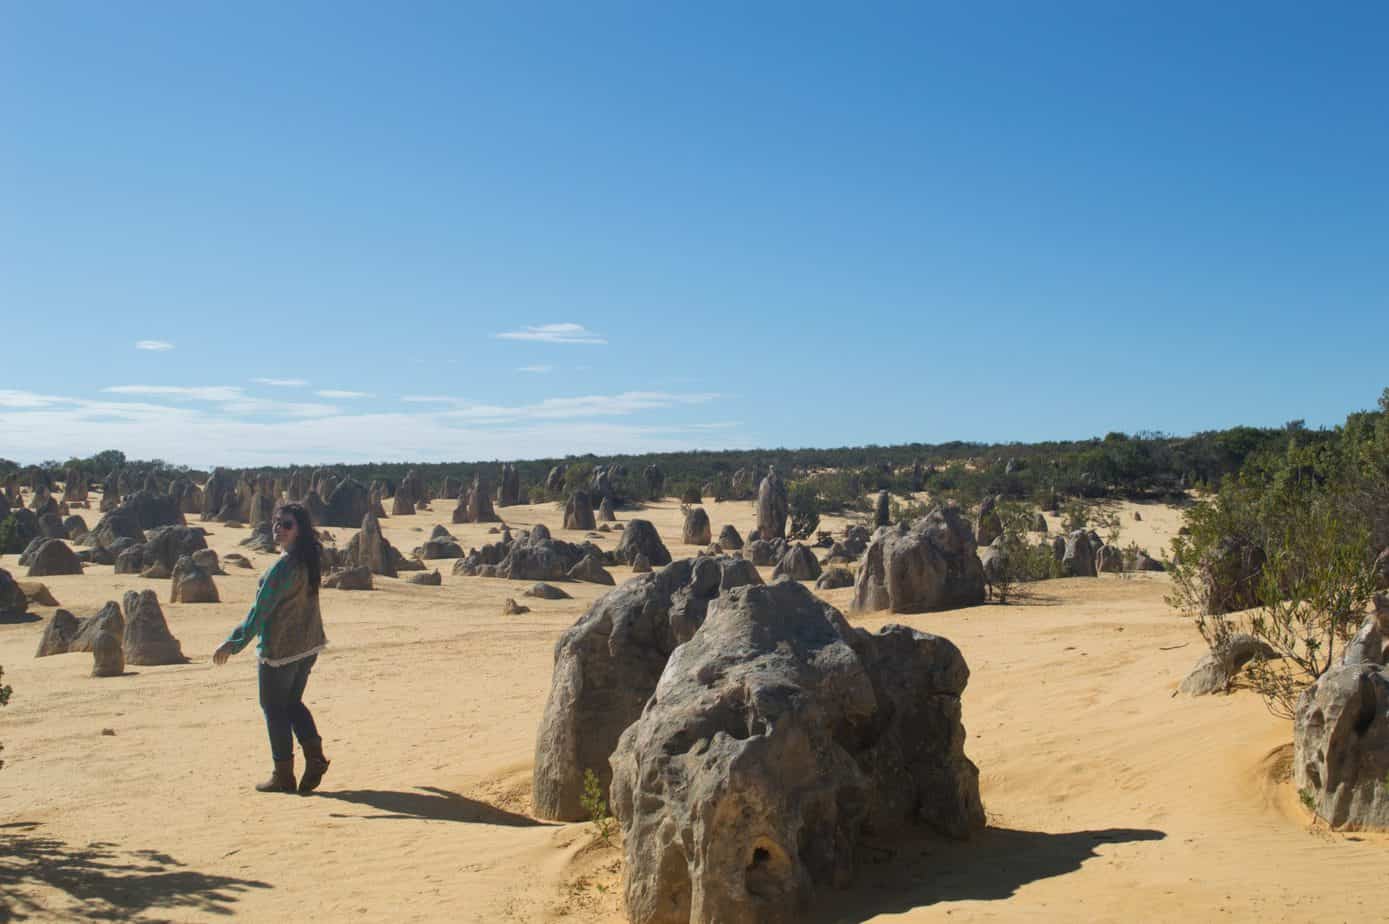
x,y
430,399
231,398
27,399
192,393
553,333
339,393
628,402
538,369
158,346
281,383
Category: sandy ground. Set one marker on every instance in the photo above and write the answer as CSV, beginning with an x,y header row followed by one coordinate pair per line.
x,y
1108,797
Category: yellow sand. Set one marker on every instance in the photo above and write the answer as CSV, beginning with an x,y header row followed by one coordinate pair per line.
x,y
1108,798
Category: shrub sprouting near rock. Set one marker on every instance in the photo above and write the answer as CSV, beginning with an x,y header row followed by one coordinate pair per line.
x,y
1285,552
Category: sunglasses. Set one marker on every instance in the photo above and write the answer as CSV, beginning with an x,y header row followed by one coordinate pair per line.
x,y
284,524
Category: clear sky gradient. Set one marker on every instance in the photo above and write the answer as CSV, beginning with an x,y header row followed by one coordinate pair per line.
x,y
614,227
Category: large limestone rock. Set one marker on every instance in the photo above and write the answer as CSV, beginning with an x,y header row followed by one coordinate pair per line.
x,y
153,508
54,557
347,505
1078,558
655,480
411,489
696,529
220,485
509,490
109,618
641,538
1341,736
165,545
479,499
578,512
58,634
13,600
554,481
452,487
108,659
606,667
772,507
590,569
118,524
192,584
990,525
835,577
1217,669
931,564
370,550
776,740
798,564
729,540
606,513
402,505
147,639
74,486
358,578
882,510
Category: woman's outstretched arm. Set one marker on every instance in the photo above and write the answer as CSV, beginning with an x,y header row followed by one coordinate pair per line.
x,y
271,588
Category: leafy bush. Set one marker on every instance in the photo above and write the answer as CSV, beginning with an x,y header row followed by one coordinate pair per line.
x,y
9,536
596,806
1021,559
1315,582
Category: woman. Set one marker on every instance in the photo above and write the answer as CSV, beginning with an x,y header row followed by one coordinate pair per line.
x,y
286,617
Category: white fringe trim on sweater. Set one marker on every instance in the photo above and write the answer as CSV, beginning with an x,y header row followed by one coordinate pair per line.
x,y
281,662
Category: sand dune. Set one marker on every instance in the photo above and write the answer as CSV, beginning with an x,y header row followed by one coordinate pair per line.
x,y
1108,798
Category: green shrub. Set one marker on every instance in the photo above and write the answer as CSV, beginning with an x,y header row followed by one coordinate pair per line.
x,y
596,806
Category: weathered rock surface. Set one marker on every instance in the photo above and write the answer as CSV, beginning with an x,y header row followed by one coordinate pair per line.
x,y
509,490
58,634
834,578
346,506
990,525
147,639
729,540
544,591
777,738
590,569
1341,735
640,537
358,578
1078,558
641,564
928,565
108,660
192,584
772,507
511,608
1217,669
606,667
578,511
426,578
696,529
370,549
207,560
54,557
798,564
167,544
606,514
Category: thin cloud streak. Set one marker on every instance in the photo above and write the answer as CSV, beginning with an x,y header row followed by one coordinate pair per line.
x,y
536,370
338,393
282,383
554,333
157,346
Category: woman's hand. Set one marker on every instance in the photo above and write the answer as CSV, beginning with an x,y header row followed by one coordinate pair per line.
x,y
223,652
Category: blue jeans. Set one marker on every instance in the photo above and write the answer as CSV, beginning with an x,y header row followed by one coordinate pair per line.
x,y
282,698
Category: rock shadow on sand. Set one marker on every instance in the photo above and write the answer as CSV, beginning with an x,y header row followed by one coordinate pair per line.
x,y
431,804
103,882
993,866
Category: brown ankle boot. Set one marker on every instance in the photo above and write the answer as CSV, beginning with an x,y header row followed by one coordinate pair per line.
x,y
315,765
282,780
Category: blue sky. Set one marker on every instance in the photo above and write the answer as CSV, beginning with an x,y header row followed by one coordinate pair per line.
x,y
615,227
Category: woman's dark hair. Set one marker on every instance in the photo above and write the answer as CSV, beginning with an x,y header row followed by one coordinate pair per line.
x,y
307,550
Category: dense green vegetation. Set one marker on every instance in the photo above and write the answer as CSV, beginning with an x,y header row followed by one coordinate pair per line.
x,y
1314,514
1144,465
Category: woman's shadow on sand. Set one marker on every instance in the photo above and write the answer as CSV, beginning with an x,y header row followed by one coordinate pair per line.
x,y
431,803
991,866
